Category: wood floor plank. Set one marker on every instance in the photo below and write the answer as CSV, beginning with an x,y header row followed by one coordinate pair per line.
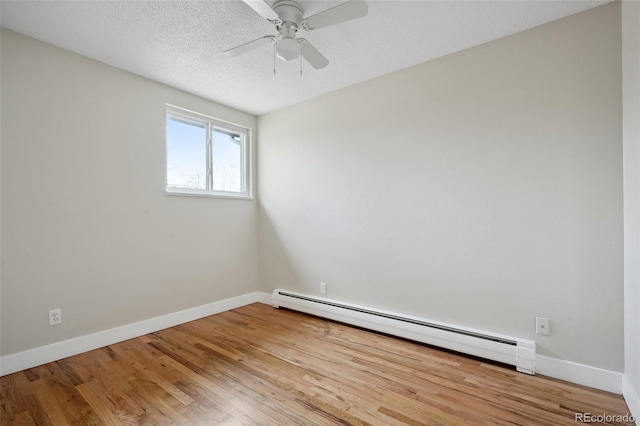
x,y
12,388
232,374
293,379
22,419
257,365
215,386
47,393
76,409
105,414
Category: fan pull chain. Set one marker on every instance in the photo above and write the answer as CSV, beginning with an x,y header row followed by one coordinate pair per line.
x,y
274,59
301,65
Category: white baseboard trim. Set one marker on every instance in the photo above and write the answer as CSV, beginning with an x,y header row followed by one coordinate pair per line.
x,y
55,351
631,397
607,380
265,298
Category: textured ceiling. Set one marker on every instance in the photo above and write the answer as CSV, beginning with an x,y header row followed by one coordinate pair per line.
x,y
180,43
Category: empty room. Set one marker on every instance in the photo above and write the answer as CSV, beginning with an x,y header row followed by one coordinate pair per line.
x,y
314,212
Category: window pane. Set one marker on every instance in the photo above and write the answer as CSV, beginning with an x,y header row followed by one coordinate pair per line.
x,y
186,154
227,161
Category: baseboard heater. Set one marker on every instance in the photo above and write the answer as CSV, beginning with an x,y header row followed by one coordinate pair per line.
x,y
509,350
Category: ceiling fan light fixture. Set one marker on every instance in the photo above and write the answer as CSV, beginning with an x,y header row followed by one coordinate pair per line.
x,y
287,49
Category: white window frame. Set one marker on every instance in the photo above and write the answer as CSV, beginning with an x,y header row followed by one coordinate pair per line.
x,y
211,124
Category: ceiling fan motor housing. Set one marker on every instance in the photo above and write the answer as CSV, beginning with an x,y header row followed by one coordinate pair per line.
x,y
288,11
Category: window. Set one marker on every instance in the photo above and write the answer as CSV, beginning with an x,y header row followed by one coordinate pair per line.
x,y
206,156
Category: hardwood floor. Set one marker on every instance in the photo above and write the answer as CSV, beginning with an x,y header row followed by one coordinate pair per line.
x,y
257,365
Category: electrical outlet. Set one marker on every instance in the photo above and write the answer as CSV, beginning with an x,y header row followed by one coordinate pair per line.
x,y
323,288
542,326
55,316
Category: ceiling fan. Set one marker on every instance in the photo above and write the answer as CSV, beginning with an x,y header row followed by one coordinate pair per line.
x,y
286,16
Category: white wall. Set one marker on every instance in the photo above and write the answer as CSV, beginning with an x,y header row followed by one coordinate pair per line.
x,y
481,189
631,147
86,225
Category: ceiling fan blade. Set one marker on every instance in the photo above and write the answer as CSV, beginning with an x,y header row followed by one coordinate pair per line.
x,y
311,55
336,15
244,48
263,9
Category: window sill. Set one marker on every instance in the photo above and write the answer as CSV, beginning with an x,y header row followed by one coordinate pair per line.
x,y
207,194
